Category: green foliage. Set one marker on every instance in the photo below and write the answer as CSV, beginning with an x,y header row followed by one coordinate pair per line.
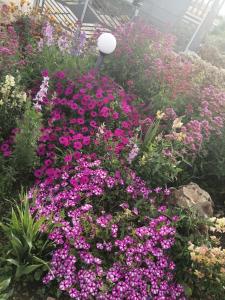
x,y
53,60
7,181
209,168
17,169
190,228
159,160
27,248
24,154
12,103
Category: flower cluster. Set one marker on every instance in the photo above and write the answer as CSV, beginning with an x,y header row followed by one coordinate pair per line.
x,y
209,261
218,225
66,42
6,145
107,246
42,93
12,102
10,94
121,265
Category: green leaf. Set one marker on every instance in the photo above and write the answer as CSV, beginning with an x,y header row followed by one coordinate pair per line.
x,y
13,262
187,291
18,247
4,284
25,270
37,275
4,227
5,296
41,261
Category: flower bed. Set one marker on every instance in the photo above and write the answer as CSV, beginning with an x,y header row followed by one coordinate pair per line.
x,y
99,158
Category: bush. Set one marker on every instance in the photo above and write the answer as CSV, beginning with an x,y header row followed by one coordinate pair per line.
x,y
106,156
26,250
144,63
208,264
101,209
18,153
12,102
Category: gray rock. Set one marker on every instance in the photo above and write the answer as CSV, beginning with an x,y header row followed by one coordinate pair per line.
x,y
192,197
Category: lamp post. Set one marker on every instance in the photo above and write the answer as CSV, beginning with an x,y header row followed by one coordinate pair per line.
x,y
106,45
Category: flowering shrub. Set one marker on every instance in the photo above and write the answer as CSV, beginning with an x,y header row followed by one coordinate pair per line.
x,y
208,263
9,49
115,262
66,42
12,102
106,229
162,151
166,80
18,156
145,63
106,156
19,33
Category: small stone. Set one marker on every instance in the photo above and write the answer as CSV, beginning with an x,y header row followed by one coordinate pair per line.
x,y
192,197
50,298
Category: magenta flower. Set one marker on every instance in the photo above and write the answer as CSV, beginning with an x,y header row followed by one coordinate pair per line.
x,y
63,140
77,145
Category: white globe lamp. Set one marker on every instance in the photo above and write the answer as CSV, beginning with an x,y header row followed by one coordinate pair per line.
x,y
106,44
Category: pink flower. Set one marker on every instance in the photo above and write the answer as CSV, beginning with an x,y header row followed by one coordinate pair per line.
x,y
81,111
99,93
84,180
77,146
73,182
38,173
94,114
45,73
60,75
74,106
86,140
77,155
93,124
68,158
80,121
104,112
63,140
118,132
125,124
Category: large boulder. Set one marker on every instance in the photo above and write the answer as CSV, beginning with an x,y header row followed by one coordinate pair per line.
x,y
194,198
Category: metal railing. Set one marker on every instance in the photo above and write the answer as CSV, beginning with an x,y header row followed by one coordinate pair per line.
x,y
73,13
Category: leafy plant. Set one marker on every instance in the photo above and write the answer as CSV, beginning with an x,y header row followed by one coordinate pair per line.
x,y
24,155
18,155
52,59
27,247
12,102
160,160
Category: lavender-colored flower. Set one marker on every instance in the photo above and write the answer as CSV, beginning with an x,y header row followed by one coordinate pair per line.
x,y
133,153
48,31
78,43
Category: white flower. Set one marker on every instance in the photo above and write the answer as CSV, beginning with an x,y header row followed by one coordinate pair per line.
x,y
10,80
42,93
177,123
133,153
160,115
